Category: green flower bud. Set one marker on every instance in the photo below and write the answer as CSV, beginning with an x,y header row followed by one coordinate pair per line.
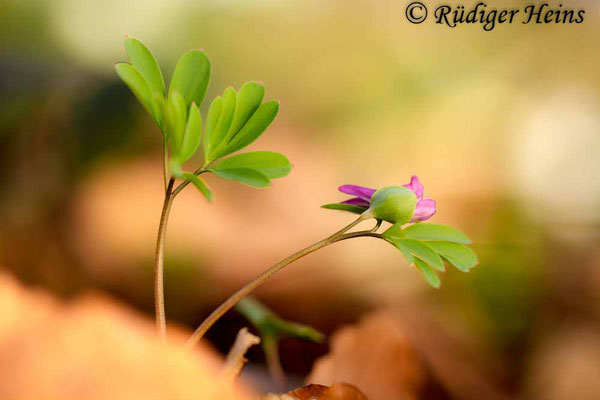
x,y
394,204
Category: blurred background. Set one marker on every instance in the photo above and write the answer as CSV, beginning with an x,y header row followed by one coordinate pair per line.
x,y
502,128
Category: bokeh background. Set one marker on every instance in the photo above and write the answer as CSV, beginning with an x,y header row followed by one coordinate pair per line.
x,y
502,127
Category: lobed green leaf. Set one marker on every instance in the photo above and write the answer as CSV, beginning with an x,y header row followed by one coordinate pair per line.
x,y
424,252
138,85
429,274
255,126
252,129
192,134
403,249
175,169
456,254
248,100
437,232
175,118
217,135
143,60
283,328
268,323
244,175
344,207
191,76
160,103
200,185
394,232
270,164
214,112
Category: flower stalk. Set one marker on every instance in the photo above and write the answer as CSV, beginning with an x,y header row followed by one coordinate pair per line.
x,y
159,291
262,278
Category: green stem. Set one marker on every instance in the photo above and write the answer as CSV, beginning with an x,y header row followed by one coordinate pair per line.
x,y
259,280
183,184
165,161
159,291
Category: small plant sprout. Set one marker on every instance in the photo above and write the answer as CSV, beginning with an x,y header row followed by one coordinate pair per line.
x,y
272,329
235,120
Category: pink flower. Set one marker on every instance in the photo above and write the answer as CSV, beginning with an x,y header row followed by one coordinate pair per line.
x,y
424,210
425,206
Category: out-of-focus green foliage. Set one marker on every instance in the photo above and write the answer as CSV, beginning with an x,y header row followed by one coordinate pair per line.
x,y
272,328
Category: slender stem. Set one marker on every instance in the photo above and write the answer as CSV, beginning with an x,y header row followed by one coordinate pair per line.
x,y
159,291
165,161
359,234
259,280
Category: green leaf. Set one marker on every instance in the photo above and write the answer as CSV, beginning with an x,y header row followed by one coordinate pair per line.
x,y
192,134
426,231
248,100
269,324
394,232
270,164
214,112
217,135
424,252
143,60
175,169
252,129
160,102
138,85
244,175
272,328
403,249
191,76
429,274
200,185
175,118
284,328
344,207
458,255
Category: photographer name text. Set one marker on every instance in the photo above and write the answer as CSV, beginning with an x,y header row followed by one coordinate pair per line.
x,y
489,18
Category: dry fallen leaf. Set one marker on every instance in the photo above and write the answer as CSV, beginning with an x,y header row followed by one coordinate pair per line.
x,y
376,356
338,391
94,348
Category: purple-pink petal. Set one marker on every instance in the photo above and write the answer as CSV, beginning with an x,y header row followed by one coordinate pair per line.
x,y
424,210
355,201
415,186
361,192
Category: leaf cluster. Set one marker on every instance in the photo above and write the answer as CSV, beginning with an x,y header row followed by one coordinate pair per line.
x,y
428,246
234,120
